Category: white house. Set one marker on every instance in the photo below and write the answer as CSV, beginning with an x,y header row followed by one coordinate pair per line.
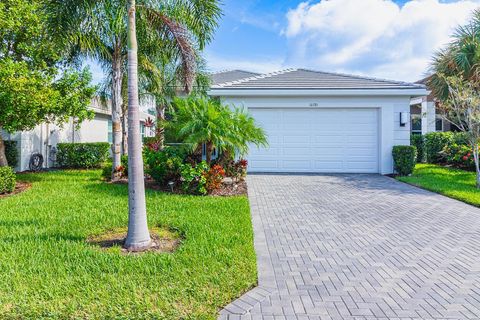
x,y
324,122
43,139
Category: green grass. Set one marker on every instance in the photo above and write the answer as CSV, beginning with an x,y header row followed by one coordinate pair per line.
x,y
453,183
49,271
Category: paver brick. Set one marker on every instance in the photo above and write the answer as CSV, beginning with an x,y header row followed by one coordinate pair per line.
x,y
361,247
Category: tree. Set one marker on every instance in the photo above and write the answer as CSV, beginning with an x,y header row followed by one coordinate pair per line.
x,y
460,58
163,80
138,237
455,82
206,121
462,108
97,29
34,85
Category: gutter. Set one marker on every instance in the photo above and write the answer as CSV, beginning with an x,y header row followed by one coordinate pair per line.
x,y
260,92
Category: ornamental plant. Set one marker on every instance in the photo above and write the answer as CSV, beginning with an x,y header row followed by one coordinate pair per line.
x,y
404,159
193,178
7,180
214,177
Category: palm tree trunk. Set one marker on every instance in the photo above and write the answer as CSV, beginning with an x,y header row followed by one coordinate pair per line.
x,y
124,133
160,132
138,237
208,151
3,157
116,112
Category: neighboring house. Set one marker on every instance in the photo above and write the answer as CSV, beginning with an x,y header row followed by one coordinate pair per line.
x,y
324,122
44,138
425,116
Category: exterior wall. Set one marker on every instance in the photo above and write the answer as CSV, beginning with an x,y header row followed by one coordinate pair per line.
x,y
45,137
389,108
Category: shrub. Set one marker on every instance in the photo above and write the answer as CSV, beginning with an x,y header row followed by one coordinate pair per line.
x,y
235,169
122,169
214,177
8,180
418,141
459,155
82,155
11,152
193,178
164,165
404,158
434,144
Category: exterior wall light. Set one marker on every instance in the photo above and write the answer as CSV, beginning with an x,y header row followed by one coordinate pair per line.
x,y
403,119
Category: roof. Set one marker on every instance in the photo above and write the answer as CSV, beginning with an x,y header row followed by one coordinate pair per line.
x,y
303,79
230,75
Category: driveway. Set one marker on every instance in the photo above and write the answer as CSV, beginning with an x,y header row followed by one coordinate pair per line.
x,y
359,247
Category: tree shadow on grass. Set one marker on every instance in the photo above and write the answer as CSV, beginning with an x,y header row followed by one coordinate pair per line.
x,y
50,238
19,223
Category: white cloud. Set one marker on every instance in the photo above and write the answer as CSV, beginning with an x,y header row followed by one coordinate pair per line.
x,y
373,37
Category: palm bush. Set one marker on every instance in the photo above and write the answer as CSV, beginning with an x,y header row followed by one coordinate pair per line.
x,y
200,120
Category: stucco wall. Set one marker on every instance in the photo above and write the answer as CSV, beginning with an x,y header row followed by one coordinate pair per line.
x,y
389,108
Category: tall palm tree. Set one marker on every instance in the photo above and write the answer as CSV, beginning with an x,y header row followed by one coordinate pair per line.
x,y
180,23
97,29
138,237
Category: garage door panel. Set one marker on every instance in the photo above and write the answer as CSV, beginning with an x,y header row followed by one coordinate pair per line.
x,y
317,140
303,139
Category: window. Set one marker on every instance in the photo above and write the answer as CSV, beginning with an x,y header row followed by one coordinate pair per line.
x,y
110,131
416,123
142,129
438,124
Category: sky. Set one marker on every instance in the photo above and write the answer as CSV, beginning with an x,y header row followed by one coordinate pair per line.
x,y
377,38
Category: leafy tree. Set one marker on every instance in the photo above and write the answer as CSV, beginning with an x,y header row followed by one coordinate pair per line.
x,y
97,29
462,108
34,85
206,121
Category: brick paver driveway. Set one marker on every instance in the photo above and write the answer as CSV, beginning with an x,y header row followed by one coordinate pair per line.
x,y
360,247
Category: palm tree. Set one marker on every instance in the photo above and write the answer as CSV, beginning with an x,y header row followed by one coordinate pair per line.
x,y
97,29
138,237
206,121
460,58
163,79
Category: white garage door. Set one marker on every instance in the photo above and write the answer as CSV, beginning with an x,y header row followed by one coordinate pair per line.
x,y
317,140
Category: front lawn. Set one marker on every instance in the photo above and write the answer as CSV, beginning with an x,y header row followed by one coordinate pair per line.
x,y
453,183
49,271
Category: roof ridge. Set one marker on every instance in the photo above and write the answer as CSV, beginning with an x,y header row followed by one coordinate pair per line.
x,y
362,77
260,76
231,70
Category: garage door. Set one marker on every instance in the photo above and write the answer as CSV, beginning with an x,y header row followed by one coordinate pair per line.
x,y
317,140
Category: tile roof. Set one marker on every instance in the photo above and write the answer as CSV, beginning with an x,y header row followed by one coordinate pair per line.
x,y
230,75
309,79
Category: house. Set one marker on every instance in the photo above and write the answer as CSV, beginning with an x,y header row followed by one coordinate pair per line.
x,y
43,139
324,122
425,116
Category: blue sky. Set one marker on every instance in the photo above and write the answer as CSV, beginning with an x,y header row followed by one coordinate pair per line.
x,y
380,38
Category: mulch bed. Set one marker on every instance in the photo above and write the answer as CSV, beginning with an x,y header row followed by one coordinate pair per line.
x,y
165,243
226,190
19,188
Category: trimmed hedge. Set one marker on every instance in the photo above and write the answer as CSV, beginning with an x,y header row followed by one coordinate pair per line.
x,y
404,159
434,144
418,141
11,152
8,180
83,155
